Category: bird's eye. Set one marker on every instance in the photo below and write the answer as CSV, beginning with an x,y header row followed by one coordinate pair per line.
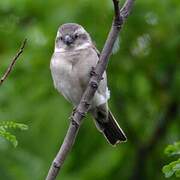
x,y
76,36
59,38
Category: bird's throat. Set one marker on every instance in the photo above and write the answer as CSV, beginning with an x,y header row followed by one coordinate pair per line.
x,y
71,49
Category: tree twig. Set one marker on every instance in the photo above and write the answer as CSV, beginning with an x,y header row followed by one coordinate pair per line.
x,y
10,67
85,102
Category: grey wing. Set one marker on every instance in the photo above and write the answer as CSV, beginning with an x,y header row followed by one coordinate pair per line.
x,y
100,106
102,94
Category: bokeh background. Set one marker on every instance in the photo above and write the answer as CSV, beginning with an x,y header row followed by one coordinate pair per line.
x,y
144,80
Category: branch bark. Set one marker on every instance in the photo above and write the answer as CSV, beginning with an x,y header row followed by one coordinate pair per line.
x,y
14,60
83,107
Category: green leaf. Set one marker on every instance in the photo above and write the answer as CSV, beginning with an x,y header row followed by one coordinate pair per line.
x,y
4,125
13,125
167,170
177,168
172,168
177,174
173,149
8,136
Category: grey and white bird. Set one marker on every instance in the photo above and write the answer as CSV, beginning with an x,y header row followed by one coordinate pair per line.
x,y
71,63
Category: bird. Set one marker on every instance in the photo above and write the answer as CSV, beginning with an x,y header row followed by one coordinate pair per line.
x,y
71,64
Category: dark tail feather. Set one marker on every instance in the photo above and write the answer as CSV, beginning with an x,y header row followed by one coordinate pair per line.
x,y
112,131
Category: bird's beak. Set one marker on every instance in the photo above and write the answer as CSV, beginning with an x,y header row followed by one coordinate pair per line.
x,y
68,40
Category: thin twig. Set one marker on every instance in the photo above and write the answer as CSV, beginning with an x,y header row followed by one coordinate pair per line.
x,y
10,67
85,102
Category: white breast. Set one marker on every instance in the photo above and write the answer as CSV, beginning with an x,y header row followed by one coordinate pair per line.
x,y
71,73
65,79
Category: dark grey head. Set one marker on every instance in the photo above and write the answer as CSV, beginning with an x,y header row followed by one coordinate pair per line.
x,y
71,36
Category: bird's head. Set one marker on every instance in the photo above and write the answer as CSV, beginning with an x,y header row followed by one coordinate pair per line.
x,y
71,36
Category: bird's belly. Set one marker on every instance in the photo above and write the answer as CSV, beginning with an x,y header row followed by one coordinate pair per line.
x,y
71,74
67,82
70,90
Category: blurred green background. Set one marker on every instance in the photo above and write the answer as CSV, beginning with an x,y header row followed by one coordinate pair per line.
x,y
144,80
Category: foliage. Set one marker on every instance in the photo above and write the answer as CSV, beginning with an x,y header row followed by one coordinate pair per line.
x,y
143,77
4,125
173,167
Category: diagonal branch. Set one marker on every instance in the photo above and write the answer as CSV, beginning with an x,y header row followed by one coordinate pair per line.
x,y
85,102
10,67
125,9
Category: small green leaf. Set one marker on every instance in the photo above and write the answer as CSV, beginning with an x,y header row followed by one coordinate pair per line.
x,y
177,174
172,168
177,168
4,125
10,137
13,125
173,149
167,170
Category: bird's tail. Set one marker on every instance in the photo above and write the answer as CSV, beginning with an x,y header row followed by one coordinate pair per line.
x,y
112,131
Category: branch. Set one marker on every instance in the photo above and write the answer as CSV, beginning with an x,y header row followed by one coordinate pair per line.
x,y
85,102
125,9
9,69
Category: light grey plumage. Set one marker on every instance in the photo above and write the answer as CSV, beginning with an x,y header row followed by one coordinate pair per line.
x,y
71,63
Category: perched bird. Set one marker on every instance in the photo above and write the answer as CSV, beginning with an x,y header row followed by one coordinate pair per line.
x,y
71,63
